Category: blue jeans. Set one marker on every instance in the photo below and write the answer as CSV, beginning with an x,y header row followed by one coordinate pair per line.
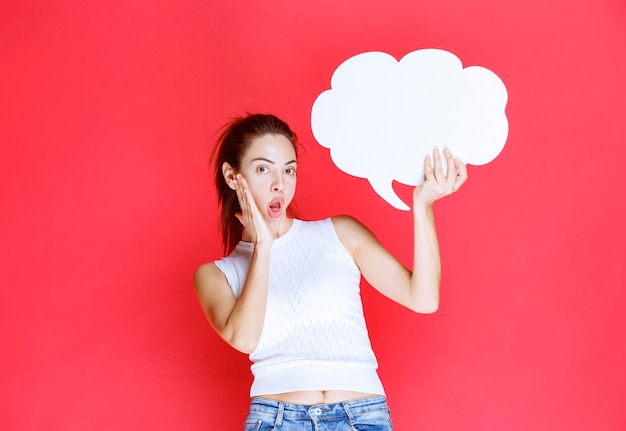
x,y
365,414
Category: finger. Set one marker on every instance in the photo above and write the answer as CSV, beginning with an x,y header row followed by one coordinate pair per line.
x,y
451,174
438,168
247,194
243,195
243,210
239,192
461,174
243,187
251,211
428,169
237,189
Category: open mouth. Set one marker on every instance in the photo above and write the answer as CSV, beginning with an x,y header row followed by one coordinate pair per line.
x,y
276,207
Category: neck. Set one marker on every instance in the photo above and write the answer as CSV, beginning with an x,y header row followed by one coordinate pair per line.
x,y
280,227
277,227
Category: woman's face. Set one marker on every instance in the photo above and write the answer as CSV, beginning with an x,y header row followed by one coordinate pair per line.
x,y
269,167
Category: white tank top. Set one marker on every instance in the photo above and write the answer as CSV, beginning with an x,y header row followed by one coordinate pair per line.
x,y
314,335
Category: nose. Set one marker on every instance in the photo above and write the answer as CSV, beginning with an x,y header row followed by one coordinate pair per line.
x,y
278,185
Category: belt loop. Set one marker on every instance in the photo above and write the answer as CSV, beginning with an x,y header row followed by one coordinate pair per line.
x,y
279,415
346,407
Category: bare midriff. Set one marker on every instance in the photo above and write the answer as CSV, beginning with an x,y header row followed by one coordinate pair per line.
x,y
317,397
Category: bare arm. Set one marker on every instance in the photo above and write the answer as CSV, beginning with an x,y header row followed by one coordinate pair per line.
x,y
239,321
417,289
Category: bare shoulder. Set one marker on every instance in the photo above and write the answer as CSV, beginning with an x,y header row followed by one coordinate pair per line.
x,y
346,225
214,293
207,274
211,284
351,232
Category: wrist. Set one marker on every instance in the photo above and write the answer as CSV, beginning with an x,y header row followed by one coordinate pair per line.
x,y
263,246
422,207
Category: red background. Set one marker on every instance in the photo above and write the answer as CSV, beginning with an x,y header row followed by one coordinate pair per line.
x,y
108,114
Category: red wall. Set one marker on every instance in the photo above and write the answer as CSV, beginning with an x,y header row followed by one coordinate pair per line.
x,y
108,110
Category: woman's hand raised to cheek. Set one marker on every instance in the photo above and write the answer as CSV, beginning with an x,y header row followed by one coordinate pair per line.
x,y
437,185
255,226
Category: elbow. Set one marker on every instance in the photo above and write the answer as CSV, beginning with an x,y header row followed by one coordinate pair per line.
x,y
425,299
426,305
243,338
429,308
243,344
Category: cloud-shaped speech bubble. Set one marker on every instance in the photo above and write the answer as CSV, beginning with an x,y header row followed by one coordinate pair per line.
x,y
381,116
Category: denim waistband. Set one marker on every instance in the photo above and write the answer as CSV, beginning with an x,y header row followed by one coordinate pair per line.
x,y
318,411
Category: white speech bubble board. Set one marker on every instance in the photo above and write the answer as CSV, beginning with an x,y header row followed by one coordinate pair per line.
x,y
382,117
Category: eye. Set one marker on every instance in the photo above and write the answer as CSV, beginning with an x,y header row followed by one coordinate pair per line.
x,y
290,171
262,169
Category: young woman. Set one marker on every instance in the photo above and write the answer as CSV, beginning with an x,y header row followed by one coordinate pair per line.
x,y
287,293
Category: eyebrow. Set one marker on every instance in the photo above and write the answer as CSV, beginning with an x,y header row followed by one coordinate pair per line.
x,y
263,159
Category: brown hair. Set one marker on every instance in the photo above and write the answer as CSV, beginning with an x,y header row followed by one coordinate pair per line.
x,y
231,145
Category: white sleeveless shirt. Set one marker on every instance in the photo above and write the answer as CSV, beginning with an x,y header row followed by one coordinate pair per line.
x,y
314,335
